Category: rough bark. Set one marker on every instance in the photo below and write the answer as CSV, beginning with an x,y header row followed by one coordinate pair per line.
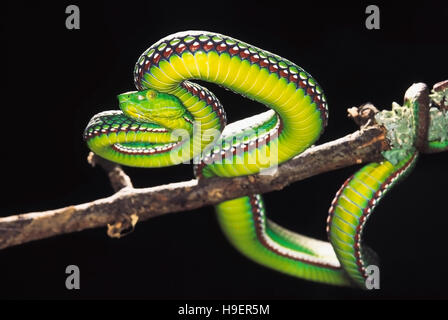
x,y
121,210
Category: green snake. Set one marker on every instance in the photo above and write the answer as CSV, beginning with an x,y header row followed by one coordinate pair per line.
x,y
171,120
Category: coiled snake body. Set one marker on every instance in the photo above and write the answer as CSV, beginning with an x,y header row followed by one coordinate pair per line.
x,y
170,120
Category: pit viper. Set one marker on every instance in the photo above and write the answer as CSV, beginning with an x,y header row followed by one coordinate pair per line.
x,y
170,120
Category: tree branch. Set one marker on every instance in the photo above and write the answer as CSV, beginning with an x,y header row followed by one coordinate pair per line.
x,y
361,146
121,211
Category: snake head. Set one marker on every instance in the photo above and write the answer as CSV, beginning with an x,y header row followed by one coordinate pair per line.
x,y
154,107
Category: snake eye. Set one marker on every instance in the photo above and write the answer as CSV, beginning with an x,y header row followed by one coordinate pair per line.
x,y
151,94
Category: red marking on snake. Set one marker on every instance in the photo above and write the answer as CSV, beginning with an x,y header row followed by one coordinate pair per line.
x,y
208,46
273,68
168,52
244,54
221,47
264,62
234,50
194,46
254,58
156,58
181,48
147,65
209,100
284,73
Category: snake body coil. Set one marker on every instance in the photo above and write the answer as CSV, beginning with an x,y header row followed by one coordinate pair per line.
x,y
170,120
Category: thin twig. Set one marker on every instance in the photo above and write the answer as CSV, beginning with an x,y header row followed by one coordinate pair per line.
x,y
118,178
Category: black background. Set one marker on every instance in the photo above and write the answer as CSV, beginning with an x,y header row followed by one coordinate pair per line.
x,y
58,79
